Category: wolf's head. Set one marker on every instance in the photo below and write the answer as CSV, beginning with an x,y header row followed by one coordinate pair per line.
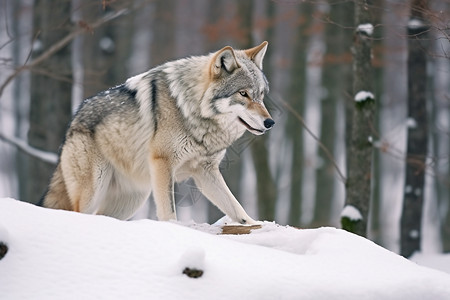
x,y
237,87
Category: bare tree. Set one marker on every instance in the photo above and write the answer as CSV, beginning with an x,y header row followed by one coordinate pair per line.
x,y
439,92
358,188
411,221
51,88
335,73
105,48
297,90
266,189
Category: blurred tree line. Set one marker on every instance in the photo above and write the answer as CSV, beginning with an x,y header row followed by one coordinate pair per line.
x,y
54,53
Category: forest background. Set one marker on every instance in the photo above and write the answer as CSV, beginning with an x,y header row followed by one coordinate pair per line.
x,y
55,53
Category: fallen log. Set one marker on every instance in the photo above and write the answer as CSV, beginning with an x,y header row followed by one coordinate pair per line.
x,y
239,229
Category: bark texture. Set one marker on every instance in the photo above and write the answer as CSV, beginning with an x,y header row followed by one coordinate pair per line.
x,y
358,187
411,221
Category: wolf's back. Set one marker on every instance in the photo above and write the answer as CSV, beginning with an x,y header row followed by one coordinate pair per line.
x,y
116,102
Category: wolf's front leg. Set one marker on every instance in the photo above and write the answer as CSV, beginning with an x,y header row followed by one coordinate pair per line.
x,y
162,186
213,186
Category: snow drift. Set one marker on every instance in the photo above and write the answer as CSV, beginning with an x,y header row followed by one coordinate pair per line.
x,y
62,255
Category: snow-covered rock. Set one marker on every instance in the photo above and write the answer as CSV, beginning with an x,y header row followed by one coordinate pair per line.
x,y
65,255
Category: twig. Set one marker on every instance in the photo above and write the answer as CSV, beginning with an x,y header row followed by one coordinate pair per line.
x,y
45,156
321,145
59,45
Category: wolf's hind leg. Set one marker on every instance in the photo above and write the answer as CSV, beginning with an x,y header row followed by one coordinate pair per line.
x,y
101,181
213,186
84,174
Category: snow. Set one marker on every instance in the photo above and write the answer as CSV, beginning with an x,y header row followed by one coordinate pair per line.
x,y
414,234
107,44
365,28
408,189
363,96
411,123
415,24
37,45
352,213
193,258
418,192
4,235
66,255
435,261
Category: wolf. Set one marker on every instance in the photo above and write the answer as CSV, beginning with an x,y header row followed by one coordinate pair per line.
x,y
163,126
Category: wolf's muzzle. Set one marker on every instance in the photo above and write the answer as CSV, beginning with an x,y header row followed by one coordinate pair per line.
x,y
268,123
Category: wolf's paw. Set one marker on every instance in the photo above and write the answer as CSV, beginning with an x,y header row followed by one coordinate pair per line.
x,y
249,221
244,220
256,222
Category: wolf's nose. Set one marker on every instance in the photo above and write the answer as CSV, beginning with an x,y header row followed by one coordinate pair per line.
x,y
268,123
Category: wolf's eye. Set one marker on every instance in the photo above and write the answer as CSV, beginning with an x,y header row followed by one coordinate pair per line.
x,y
243,94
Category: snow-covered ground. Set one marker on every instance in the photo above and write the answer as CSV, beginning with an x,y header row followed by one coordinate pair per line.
x,y
433,260
64,255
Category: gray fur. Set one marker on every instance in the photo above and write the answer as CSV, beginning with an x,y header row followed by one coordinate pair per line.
x,y
168,124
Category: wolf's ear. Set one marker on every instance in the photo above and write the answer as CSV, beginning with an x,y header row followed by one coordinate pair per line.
x,y
224,61
257,53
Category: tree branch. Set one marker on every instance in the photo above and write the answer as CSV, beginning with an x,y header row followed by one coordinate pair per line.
x,y
49,157
321,145
61,44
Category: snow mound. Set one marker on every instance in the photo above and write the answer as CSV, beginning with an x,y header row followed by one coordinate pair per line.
x,y
352,213
366,28
436,261
362,96
65,255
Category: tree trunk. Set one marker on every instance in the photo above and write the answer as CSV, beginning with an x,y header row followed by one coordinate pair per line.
x,y
297,91
439,133
334,81
445,231
51,88
374,227
266,189
358,188
107,48
8,103
163,42
411,221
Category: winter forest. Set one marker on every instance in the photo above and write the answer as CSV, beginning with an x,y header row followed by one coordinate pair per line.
x,y
359,91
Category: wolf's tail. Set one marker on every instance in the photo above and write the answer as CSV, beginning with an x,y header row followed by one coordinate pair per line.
x,y
56,195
